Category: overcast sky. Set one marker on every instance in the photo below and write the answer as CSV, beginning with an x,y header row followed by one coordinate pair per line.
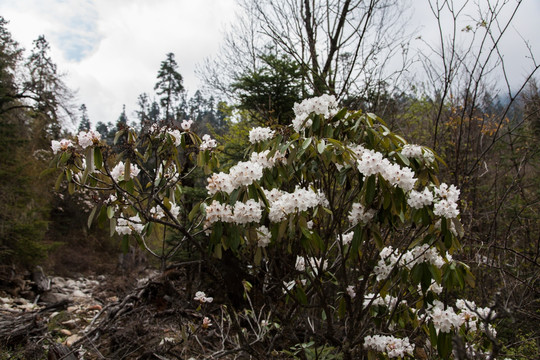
x,y
110,50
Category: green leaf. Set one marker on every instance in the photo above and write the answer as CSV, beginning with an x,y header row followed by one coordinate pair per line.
x,y
110,211
112,226
194,211
59,181
98,158
444,344
306,143
91,216
127,170
370,189
117,136
321,146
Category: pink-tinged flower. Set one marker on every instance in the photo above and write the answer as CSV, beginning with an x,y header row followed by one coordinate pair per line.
x,y
186,125
61,145
206,323
202,298
88,138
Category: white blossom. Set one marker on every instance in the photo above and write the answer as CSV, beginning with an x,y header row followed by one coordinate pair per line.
x,y
61,145
412,151
392,346
88,138
201,297
325,105
359,214
264,236
186,125
418,200
207,143
351,292
117,172
259,134
300,200
176,135
127,226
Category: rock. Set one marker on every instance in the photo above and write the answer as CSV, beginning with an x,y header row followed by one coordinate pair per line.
x,y
65,332
41,280
78,293
72,340
53,297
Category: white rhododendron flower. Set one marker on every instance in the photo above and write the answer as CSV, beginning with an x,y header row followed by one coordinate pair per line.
x,y
372,162
299,200
201,297
176,135
127,226
264,236
259,134
351,292
418,200
61,145
325,105
392,346
186,125
412,151
207,143
88,138
117,172
359,214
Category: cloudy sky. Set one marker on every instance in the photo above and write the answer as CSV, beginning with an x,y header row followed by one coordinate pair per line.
x,y
110,50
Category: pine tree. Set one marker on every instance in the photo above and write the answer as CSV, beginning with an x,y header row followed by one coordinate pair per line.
x,y
170,89
84,124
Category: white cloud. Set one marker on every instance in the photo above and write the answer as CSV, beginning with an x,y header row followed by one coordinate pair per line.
x,y
111,50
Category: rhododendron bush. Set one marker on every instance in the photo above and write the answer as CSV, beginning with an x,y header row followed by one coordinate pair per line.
x,y
343,232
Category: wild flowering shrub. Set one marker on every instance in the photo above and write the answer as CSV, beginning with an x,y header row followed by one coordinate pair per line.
x,y
343,228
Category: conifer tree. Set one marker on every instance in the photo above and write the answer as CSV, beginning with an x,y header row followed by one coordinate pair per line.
x,y
170,89
84,124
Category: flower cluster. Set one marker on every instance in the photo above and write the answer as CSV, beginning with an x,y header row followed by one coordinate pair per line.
x,y
127,226
241,213
259,134
325,105
117,172
444,319
157,212
376,300
264,160
264,236
373,162
61,145
207,143
242,174
201,297
423,253
283,203
176,135
446,204
88,138
418,200
412,151
393,347
347,238
359,214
